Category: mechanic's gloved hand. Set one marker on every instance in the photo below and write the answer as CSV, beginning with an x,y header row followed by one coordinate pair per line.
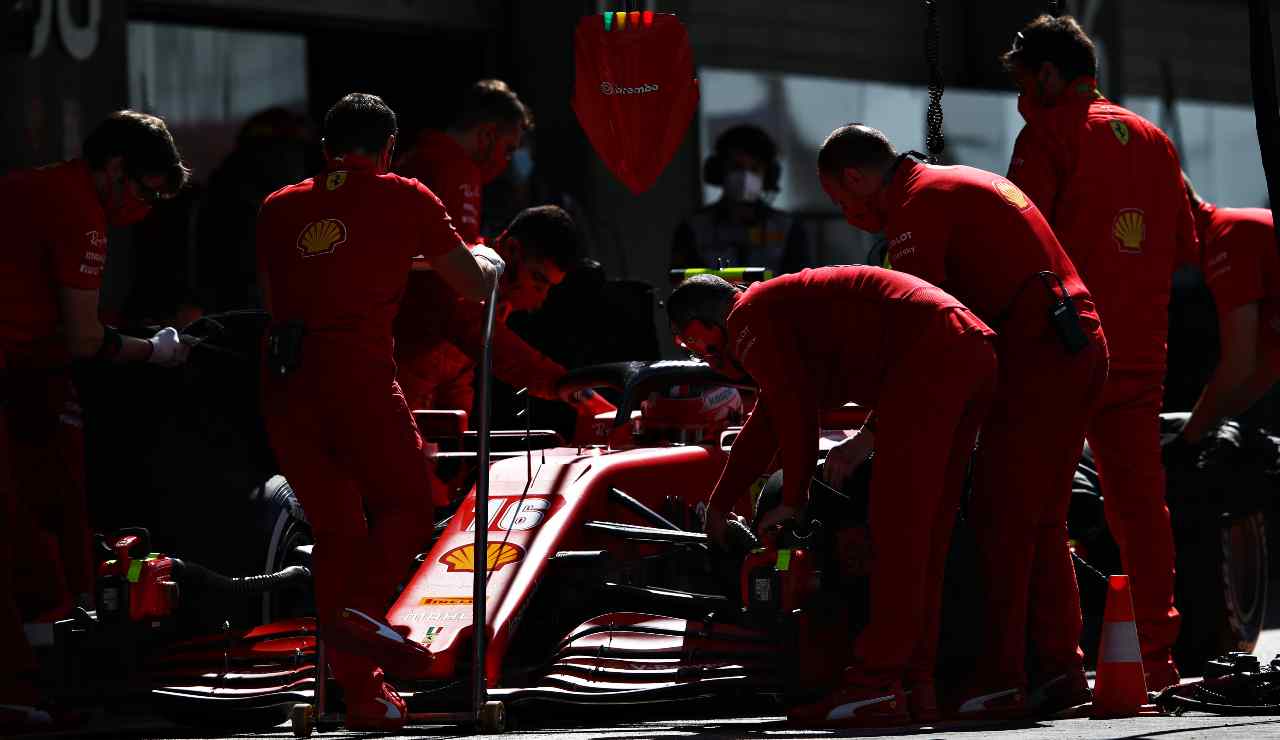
x,y
1218,447
716,526
167,348
590,403
481,250
844,458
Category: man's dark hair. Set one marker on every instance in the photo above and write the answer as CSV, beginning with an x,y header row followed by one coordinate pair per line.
x,y
144,143
359,123
546,232
706,298
492,101
855,145
1060,41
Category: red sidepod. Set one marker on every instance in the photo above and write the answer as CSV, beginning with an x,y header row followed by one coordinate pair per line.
x,y
634,91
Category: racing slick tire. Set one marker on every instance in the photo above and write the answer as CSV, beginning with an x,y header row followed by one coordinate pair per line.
x,y
1222,577
1220,540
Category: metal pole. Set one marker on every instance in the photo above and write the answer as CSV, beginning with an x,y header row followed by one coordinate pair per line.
x,y
1266,111
480,635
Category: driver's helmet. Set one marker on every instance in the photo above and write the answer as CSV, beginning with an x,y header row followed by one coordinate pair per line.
x,y
699,412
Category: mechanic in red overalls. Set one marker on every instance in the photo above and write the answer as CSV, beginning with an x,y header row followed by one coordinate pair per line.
x,y
455,164
974,234
1242,270
51,264
815,340
539,246
334,254
1109,183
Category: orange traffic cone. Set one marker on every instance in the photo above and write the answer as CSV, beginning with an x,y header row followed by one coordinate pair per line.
x,y
1121,686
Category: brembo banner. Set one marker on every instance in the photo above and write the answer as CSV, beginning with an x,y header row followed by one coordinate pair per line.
x,y
634,91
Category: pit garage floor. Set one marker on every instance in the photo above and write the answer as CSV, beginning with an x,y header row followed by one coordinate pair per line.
x,y
660,726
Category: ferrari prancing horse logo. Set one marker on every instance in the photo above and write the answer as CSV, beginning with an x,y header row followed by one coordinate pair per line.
x,y
1121,131
321,237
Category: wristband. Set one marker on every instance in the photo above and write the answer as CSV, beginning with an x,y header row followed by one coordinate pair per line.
x,y
111,344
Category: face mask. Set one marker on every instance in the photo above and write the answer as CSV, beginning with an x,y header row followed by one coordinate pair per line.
x,y
521,164
743,186
130,211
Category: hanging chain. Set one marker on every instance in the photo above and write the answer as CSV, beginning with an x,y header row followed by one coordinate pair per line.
x,y
935,142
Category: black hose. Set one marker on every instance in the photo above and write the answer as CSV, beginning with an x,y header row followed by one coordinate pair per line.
x,y
186,572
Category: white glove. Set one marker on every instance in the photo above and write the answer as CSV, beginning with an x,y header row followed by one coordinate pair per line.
x,y
167,349
481,250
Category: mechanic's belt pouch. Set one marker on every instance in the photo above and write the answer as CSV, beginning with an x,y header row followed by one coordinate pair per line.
x,y
284,347
1066,322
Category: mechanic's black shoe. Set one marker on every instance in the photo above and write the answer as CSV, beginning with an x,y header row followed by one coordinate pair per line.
x,y
852,706
922,703
1060,693
390,647
998,704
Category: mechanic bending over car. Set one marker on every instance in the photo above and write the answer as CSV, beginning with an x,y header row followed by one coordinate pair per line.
x,y
438,334
1109,183
334,254
50,272
455,164
974,234
815,340
1242,270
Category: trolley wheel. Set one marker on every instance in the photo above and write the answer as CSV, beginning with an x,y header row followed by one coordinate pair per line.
x,y
302,718
493,717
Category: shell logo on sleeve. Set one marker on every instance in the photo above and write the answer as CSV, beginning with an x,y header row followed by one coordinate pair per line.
x,y
464,558
1129,230
1012,194
321,237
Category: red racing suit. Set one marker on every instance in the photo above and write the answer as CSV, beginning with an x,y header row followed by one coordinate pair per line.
x,y
335,251
438,342
977,236
1110,184
817,339
57,239
1241,266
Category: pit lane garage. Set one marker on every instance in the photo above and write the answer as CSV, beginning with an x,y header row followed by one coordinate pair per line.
x,y
602,593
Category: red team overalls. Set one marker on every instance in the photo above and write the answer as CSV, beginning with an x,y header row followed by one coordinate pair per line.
x,y
1110,184
817,339
56,238
977,236
436,359
336,251
1241,266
